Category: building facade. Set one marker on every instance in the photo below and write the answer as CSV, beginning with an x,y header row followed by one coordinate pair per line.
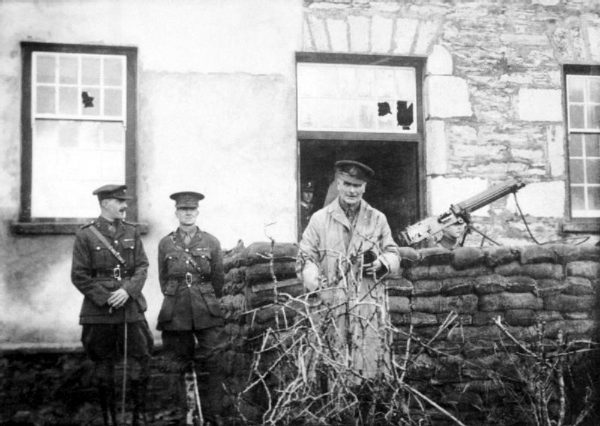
x,y
248,101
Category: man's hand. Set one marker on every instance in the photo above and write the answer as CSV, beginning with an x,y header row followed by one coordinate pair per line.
x,y
310,277
373,267
118,298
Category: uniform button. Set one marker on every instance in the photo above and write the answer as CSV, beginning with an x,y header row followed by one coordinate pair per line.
x,y
187,261
187,250
116,242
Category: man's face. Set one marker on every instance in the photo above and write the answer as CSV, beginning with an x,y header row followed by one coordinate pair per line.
x,y
186,215
114,209
307,196
455,231
350,193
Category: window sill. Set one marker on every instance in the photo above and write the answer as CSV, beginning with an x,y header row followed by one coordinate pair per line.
x,y
581,227
55,228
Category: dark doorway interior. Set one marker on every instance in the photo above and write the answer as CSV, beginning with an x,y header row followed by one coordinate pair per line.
x,y
394,189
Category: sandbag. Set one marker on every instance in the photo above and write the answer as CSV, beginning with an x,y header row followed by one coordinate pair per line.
x,y
261,272
263,293
261,252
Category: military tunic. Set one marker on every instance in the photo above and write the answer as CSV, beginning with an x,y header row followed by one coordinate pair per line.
x,y
191,278
93,266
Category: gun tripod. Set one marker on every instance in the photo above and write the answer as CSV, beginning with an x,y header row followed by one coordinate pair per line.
x,y
470,228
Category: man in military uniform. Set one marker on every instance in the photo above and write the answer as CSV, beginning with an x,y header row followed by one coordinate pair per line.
x,y
306,203
110,267
190,269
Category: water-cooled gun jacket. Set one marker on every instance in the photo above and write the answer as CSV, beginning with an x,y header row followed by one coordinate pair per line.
x,y
191,278
93,271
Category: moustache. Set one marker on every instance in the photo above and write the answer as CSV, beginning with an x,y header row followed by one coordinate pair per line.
x,y
123,209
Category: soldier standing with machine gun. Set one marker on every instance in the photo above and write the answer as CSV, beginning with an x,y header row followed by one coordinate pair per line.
x,y
109,268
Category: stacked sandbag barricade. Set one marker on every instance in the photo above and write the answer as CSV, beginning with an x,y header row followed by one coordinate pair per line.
x,y
259,278
258,281
452,299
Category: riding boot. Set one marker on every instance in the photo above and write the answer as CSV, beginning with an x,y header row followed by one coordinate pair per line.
x,y
138,394
192,417
108,405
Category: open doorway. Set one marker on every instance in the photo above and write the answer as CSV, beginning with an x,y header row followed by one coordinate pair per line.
x,y
394,189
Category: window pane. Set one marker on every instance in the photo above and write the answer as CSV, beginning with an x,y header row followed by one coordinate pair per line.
x,y
67,68
67,134
113,102
577,200
90,70
385,87
366,116
365,83
594,90
592,168
576,116
592,145
45,100
576,171
68,102
87,160
575,145
45,69
349,97
90,100
593,117
112,136
594,198
575,88
113,72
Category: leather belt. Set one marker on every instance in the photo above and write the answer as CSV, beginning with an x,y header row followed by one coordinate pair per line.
x,y
110,273
190,278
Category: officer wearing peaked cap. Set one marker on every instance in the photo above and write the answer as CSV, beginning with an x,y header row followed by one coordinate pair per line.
x,y
190,269
118,192
345,251
110,267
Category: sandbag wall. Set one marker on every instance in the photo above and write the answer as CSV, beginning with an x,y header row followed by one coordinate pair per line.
x,y
473,368
255,277
553,286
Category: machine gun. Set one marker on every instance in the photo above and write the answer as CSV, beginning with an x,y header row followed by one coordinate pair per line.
x,y
457,214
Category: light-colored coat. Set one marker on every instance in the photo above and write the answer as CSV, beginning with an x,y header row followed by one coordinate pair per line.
x,y
331,260
329,235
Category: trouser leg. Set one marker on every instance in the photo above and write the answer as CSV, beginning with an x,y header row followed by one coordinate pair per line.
x,y
100,346
106,392
138,394
139,347
179,351
209,350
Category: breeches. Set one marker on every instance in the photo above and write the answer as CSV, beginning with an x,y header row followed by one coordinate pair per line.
x,y
105,345
181,349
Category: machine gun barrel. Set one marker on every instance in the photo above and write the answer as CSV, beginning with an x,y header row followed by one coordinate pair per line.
x,y
486,197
